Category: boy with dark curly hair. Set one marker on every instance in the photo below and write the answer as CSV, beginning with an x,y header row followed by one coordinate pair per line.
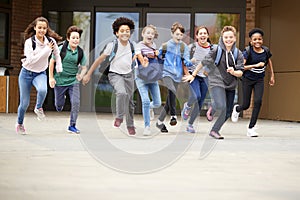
x,y
120,75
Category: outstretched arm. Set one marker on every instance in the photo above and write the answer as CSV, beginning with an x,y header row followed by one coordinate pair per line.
x,y
94,66
272,77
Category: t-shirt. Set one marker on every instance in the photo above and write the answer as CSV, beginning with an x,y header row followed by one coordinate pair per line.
x,y
70,68
257,72
122,62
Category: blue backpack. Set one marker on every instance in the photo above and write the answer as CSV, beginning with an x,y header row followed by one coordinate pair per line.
x,y
219,54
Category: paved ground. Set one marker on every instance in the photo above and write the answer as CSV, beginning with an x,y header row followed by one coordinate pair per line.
x,y
104,163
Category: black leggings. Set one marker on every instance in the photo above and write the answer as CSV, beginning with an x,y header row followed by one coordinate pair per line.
x,y
248,86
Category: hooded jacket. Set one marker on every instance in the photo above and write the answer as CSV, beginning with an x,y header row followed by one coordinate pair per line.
x,y
218,75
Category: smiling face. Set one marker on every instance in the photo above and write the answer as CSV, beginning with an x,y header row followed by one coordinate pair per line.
x,y
41,28
228,38
202,37
123,33
256,40
74,40
177,35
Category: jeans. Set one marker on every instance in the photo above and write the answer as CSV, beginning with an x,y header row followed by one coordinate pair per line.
x,y
144,89
123,85
74,94
27,79
198,90
222,103
171,98
258,87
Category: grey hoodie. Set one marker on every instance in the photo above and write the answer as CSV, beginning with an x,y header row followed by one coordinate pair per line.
x,y
218,75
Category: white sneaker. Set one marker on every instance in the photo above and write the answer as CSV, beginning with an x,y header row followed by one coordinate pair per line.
x,y
152,114
20,129
235,114
147,131
40,113
251,132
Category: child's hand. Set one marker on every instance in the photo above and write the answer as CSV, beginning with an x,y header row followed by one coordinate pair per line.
x,y
230,70
260,64
188,78
193,60
78,77
272,81
52,82
85,79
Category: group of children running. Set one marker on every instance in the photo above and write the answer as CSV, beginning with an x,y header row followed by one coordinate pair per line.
x,y
214,68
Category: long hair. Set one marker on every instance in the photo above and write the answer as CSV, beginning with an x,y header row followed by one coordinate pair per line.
x,y
29,31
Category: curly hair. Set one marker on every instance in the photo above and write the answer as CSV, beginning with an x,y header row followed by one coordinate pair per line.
x,y
122,21
73,29
29,31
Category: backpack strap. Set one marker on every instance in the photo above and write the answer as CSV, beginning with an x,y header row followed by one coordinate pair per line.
x,y
34,42
113,51
219,54
164,50
192,49
182,50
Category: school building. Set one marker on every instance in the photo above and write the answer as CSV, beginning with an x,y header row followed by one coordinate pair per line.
x,y
278,20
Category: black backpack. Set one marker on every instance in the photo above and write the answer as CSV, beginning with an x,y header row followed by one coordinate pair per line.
x,y
104,66
63,51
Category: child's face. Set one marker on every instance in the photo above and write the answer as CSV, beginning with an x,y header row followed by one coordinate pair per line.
x,y
148,35
202,36
256,40
177,36
74,39
123,33
41,28
228,38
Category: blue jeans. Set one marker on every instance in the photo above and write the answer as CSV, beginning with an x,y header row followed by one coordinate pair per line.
x,y
144,89
198,90
222,102
74,94
27,79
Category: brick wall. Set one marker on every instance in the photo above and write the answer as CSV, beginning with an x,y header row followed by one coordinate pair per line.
x,y
23,13
250,23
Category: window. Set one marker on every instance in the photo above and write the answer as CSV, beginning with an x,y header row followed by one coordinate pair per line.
x,y
4,37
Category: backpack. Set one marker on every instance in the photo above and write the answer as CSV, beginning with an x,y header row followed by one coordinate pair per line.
x,y
104,66
219,54
266,49
63,51
34,42
193,49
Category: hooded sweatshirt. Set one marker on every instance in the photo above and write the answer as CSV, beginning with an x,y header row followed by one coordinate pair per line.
x,y
218,75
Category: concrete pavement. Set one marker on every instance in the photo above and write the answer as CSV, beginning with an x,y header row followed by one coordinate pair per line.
x,y
104,163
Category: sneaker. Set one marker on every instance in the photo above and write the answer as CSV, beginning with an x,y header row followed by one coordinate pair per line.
x,y
190,129
235,114
173,121
209,116
118,122
216,135
73,129
152,114
162,127
20,129
40,113
147,131
131,130
185,111
251,132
